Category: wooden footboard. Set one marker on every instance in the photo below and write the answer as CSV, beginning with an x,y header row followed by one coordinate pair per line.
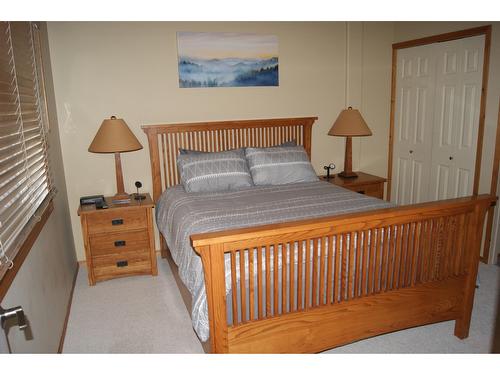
x,y
312,285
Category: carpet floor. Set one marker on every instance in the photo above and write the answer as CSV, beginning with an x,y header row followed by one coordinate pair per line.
x,y
145,314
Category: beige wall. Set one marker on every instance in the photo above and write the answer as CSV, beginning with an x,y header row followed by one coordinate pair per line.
x,y
413,30
375,95
130,69
43,284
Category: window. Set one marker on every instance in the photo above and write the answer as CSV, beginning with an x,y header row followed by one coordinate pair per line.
x,y
25,183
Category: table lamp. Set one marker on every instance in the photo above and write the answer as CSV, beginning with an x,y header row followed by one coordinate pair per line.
x,y
349,124
114,136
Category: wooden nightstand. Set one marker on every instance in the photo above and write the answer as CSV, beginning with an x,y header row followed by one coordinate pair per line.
x,y
364,184
119,240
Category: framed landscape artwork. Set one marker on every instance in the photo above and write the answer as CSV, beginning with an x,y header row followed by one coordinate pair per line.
x,y
227,59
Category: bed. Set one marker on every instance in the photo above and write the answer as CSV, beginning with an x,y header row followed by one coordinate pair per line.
x,y
309,284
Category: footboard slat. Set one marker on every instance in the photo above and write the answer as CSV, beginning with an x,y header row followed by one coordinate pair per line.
x,y
378,257
385,257
373,257
284,264
397,260
268,280
337,271
292,278
364,270
409,255
404,250
251,291
330,271
351,275
340,279
243,288
427,251
416,255
307,291
233,288
323,252
275,284
447,250
299,276
391,254
260,296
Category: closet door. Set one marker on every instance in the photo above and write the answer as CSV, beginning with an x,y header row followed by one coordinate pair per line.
x,y
415,86
456,117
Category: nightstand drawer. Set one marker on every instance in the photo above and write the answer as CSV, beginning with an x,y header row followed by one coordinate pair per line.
x,y
122,220
374,190
119,242
109,266
365,183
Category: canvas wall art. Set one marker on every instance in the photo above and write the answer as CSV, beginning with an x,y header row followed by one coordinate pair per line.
x,y
227,59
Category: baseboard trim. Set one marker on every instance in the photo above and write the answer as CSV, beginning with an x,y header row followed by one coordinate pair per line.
x,y
68,310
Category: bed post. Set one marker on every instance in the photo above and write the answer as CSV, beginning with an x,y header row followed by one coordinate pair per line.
x,y
474,235
212,257
154,158
155,162
308,135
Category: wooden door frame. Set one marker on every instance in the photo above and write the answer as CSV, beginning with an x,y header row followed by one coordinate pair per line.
x,y
482,30
493,190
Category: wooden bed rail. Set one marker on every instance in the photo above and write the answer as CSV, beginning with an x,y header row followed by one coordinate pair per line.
x,y
310,285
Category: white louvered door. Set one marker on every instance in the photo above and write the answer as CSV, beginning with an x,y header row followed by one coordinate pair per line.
x,y
438,91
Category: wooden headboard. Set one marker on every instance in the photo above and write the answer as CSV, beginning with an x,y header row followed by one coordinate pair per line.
x,y
165,141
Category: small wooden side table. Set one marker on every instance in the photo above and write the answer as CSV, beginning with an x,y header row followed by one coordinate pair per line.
x,y
364,184
119,240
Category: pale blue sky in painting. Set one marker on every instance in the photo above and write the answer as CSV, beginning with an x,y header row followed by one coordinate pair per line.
x,y
227,45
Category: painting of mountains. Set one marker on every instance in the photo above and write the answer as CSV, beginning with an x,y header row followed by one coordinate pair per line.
x,y
227,59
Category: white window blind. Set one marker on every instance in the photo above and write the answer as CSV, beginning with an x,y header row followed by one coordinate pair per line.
x,y
25,183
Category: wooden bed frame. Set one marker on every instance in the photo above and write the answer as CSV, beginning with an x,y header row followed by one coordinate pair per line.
x,y
361,274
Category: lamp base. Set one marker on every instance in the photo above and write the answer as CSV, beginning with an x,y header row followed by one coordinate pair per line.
x,y
120,198
345,174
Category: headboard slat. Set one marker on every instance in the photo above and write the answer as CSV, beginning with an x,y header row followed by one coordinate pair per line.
x,y
165,141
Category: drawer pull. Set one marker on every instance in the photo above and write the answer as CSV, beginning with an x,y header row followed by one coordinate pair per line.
x,y
122,263
120,243
117,222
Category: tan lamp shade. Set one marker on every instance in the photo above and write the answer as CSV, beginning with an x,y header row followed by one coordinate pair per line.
x,y
114,136
350,123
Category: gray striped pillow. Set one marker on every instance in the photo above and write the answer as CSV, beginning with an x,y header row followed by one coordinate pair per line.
x,y
214,171
280,165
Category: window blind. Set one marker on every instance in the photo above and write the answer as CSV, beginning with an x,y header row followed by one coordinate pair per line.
x,y
25,183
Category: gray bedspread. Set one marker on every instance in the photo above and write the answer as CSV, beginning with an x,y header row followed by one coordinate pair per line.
x,y
180,214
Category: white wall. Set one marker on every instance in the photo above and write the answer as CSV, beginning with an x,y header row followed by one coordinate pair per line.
x,y
43,284
130,70
413,30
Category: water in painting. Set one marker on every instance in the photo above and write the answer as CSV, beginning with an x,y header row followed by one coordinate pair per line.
x,y
227,59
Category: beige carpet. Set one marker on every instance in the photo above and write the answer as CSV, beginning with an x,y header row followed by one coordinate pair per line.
x,y
145,314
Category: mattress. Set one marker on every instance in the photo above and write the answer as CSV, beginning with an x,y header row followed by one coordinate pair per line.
x,y
180,214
